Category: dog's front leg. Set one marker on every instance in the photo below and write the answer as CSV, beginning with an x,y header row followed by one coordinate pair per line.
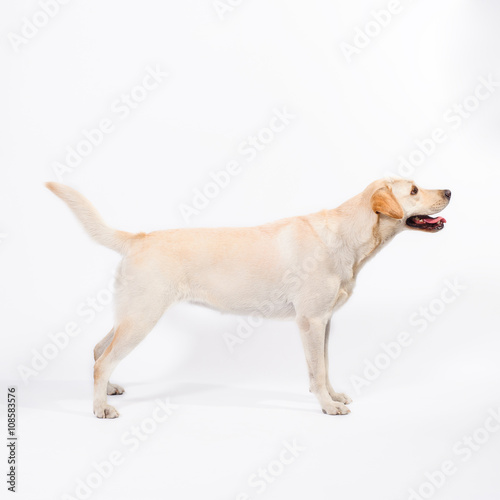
x,y
312,332
336,396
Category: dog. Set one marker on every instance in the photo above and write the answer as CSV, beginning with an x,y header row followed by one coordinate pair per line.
x,y
301,268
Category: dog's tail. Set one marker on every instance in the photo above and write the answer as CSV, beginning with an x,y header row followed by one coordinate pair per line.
x,y
90,218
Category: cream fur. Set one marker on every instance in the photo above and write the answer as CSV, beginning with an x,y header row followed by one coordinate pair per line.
x,y
300,268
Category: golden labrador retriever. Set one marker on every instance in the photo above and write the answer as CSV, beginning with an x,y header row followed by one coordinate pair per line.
x,y
301,268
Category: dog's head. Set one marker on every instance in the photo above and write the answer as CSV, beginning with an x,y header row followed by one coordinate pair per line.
x,y
404,202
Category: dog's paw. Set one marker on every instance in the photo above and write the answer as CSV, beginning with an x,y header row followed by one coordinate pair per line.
x,y
115,389
335,408
105,411
340,397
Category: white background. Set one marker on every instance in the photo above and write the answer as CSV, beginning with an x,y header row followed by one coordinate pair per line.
x,y
353,121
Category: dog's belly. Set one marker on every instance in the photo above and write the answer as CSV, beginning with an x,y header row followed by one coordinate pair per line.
x,y
266,305
282,312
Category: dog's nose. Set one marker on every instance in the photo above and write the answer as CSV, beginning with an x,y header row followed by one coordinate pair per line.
x,y
447,193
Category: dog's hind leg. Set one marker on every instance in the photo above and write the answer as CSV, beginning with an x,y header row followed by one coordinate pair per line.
x,y
139,305
98,350
128,334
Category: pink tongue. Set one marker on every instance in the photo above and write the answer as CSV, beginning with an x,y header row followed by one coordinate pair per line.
x,y
434,221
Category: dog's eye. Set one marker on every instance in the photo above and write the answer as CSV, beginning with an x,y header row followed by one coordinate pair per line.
x,y
414,190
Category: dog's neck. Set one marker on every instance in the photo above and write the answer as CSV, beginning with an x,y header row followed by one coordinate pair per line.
x,y
384,230
363,233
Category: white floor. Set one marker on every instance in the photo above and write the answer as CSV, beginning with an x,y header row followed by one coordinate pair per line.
x,y
223,442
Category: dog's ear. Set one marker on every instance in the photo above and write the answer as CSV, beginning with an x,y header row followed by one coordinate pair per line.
x,y
384,202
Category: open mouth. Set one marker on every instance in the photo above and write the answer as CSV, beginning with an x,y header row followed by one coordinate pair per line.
x,y
426,223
